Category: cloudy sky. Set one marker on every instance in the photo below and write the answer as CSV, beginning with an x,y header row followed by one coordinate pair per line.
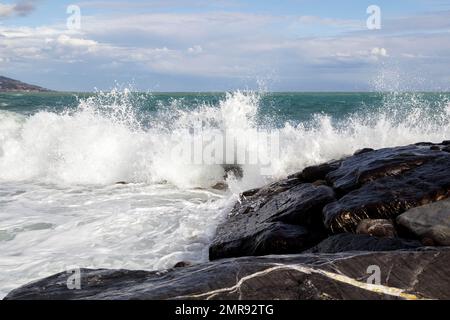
x,y
216,45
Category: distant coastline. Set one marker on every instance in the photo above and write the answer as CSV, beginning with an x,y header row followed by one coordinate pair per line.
x,y
11,85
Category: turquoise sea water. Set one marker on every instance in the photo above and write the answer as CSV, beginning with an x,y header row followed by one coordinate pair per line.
x,y
281,107
61,155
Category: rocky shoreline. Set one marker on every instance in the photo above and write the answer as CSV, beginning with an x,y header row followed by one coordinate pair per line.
x,y
374,225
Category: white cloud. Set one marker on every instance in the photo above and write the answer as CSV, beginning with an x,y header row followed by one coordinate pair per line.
x,y
379,52
6,10
195,49
315,20
76,42
215,44
21,8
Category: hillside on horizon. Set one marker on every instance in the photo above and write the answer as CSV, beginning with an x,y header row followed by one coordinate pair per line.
x,y
12,85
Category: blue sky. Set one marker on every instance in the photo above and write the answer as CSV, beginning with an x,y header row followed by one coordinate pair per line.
x,y
200,45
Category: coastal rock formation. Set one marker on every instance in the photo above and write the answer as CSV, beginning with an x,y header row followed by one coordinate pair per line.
x,y
336,222
402,275
373,186
345,242
282,218
377,227
430,222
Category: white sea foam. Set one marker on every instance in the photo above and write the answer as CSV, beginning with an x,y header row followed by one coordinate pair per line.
x,y
59,205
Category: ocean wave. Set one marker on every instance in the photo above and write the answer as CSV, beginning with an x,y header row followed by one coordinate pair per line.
x,y
107,138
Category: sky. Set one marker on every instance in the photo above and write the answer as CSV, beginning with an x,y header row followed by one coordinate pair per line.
x,y
219,45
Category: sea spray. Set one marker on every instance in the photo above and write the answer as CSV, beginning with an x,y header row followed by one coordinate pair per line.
x,y
110,138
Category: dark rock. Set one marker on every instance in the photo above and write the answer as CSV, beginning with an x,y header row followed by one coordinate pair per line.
x,y
263,239
121,182
435,148
446,142
357,170
430,222
424,144
220,186
387,184
249,193
403,275
233,170
345,242
182,264
381,228
361,151
446,149
319,172
281,218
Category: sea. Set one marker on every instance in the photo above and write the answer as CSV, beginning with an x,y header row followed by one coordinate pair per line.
x,y
90,180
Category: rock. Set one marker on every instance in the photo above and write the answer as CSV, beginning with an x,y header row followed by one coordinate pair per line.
x,y
220,186
232,170
386,183
318,172
249,193
446,142
424,144
345,242
381,228
182,264
363,150
281,218
403,275
357,170
430,222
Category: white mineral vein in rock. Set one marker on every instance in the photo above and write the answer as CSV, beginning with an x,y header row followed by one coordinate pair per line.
x,y
392,291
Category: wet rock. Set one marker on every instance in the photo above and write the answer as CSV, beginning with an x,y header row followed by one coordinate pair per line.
x,y
386,184
403,275
233,170
249,193
381,228
220,186
424,144
345,242
319,172
182,264
357,170
446,142
430,222
263,239
281,218
363,150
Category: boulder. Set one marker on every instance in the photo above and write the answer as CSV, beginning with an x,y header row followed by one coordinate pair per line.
x,y
284,217
385,194
402,275
365,167
381,228
317,172
345,242
430,222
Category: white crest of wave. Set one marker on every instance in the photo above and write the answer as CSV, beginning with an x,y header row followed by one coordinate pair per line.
x,y
104,140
